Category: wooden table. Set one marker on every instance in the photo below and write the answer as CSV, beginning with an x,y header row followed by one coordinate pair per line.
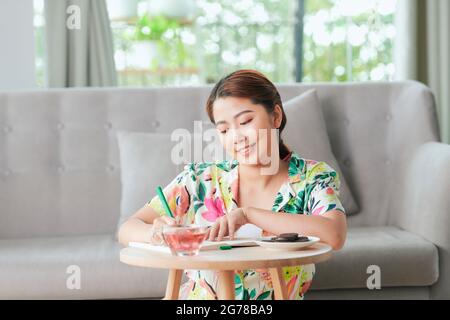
x,y
225,262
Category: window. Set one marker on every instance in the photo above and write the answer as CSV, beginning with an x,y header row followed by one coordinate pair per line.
x,y
39,41
288,40
348,40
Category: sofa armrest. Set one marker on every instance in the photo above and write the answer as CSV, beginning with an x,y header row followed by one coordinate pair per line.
x,y
424,205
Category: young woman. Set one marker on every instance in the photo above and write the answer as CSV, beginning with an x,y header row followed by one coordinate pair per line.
x,y
299,195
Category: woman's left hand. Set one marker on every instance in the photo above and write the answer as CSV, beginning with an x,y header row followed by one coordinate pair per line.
x,y
228,224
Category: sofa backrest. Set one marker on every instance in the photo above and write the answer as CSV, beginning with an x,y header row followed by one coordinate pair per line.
x,y
59,157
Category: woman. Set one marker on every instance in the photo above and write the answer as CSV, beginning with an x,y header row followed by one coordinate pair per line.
x,y
297,195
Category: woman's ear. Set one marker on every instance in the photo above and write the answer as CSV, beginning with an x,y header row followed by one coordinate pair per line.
x,y
278,116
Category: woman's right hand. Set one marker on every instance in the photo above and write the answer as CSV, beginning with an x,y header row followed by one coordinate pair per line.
x,y
157,226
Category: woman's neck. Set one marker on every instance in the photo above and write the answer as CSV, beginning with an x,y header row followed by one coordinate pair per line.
x,y
260,175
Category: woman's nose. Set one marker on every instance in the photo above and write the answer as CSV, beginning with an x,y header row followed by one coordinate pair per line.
x,y
237,136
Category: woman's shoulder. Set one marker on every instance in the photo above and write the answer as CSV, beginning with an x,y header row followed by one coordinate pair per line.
x,y
310,167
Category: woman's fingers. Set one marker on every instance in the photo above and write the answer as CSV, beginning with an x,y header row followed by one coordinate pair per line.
x,y
214,229
169,220
223,228
164,220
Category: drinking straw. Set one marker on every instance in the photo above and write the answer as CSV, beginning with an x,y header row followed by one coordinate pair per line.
x,y
164,201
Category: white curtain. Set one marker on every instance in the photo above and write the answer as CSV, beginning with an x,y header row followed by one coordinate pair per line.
x,y
79,55
422,50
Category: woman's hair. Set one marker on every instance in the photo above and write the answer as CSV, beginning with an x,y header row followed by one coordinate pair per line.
x,y
253,85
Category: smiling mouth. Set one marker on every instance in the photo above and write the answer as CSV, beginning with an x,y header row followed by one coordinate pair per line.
x,y
246,147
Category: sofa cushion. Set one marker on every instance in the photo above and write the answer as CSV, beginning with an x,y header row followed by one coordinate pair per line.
x,y
141,158
306,133
405,259
38,269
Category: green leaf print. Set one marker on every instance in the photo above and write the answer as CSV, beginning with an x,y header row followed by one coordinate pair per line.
x,y
278,199
296,166
238,291
246,295
201,191
289,208
237,279
197,205
202,167
263,295
252,293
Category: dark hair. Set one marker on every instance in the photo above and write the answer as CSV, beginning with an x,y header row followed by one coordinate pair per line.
x,y
255,86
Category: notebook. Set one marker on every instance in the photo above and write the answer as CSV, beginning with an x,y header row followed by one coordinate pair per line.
x,y
206,245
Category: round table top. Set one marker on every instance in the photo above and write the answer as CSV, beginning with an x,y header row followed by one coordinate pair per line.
x,y
234,259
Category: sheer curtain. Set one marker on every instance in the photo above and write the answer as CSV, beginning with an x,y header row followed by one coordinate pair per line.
x,y
80,48
422,50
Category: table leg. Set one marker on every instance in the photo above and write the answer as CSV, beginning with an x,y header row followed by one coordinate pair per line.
x,y
173,284
225,285
279,285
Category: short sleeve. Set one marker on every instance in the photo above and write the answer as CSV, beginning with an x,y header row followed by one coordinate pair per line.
x,y
179,193
324,190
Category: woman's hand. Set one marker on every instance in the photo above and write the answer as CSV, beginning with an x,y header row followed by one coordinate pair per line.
x,y
157,226
227,224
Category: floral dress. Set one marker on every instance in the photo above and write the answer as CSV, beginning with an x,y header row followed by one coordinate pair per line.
x,y
205,191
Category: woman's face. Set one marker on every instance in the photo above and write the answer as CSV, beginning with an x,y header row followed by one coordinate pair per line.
x,y
245,128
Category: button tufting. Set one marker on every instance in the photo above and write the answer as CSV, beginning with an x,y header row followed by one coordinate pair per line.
x,y
347,122
388,117
7,172
387,162
61,168
155,123
108,126
60,126
7,129
111,167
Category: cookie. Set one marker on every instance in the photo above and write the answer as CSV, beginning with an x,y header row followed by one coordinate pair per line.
x,y
288,237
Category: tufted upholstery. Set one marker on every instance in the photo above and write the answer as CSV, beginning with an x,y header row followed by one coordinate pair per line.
x,y
59,159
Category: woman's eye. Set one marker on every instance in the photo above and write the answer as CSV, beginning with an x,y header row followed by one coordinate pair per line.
x,y
245,122
223,131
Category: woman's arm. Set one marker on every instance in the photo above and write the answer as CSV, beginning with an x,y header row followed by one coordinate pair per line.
x,y
330,227
139,226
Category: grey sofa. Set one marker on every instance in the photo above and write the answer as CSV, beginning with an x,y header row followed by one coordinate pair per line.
x,y
60,189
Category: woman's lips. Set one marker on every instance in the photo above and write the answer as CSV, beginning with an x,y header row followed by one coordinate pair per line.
x,y
246,149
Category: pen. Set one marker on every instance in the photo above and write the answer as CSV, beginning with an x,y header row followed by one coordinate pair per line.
x,y
164,201
230,247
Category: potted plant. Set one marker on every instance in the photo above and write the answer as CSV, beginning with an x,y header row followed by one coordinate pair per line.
x,y
150,31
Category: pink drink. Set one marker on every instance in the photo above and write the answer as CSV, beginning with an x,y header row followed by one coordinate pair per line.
x,y
185,241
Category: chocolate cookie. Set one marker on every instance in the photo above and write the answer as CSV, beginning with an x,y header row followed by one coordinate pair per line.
x,y
288,237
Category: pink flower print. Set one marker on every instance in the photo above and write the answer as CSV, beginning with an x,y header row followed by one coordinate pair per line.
x,y
290,287
215,208
330,191
178,200
317,211
305,287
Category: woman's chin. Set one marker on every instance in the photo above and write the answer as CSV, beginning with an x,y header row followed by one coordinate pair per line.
x,y
250,157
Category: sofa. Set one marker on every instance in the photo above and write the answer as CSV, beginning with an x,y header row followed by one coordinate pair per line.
x,y
60,189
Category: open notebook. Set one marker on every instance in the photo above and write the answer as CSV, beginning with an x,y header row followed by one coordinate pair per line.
x,y
206,245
